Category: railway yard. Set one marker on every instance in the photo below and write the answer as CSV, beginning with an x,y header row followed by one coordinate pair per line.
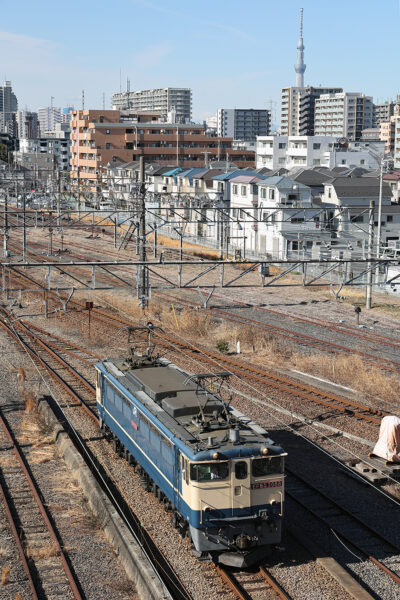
x,y
318,382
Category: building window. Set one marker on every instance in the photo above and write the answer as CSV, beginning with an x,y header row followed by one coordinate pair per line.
x,y
107,131
329,192
234,189
243,190
389,218
362,162
271,194
316,161
263,193
108,146
316,146
282,146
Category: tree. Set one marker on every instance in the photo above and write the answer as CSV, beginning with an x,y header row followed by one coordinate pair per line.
x,y
3,152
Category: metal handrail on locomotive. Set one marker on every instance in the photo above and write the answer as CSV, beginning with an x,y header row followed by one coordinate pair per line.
x,y
219,473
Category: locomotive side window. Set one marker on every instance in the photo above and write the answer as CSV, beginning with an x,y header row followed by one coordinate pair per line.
x,y
267,466
241,470
209,471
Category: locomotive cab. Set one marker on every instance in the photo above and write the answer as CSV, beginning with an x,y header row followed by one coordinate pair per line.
x,y
237,506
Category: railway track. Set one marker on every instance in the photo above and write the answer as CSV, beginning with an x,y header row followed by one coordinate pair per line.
x,y
111,318
298,338
258,376
45,561
261,376
243,583
364,538
159,561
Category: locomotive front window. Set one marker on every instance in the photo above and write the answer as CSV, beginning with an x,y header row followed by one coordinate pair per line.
x,y
209,471
267,466
241,470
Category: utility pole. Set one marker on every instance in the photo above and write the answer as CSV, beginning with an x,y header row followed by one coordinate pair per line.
x,y
378,237
24,225
142,272
5,237
368,298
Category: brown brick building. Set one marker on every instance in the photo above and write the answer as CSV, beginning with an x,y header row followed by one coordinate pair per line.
x,y
99,137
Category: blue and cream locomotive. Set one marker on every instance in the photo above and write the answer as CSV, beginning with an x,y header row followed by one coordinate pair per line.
x,y
217,471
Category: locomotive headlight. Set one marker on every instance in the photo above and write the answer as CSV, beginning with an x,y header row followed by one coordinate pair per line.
x,y
215,455
264,451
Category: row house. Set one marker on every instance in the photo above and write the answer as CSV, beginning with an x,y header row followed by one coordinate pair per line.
x,y
276,219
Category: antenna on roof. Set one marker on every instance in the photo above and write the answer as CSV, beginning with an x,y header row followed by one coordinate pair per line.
x,y
83,99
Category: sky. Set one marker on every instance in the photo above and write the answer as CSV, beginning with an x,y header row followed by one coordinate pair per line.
x,y
232,53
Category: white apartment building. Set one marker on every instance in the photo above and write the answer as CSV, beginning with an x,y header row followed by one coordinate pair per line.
x,y
162,100
243,123
396,153
343,114
48,118
59,148
297,108
277,151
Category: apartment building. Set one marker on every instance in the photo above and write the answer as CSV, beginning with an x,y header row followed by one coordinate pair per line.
x,y
396,153
58,148
163,100
387,130
48,118
100,137
282,151
243,123
383,112
8,109
298,106
27,124
343,114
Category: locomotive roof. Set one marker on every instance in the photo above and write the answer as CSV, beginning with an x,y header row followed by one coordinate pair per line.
x,y
193,414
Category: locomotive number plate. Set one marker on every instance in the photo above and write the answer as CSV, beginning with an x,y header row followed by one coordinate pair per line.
x,y
265,484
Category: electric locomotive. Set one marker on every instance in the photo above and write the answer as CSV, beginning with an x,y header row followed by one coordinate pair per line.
x,y
218,472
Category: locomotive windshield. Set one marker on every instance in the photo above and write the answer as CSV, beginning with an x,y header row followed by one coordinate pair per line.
x,y
267,466
209,471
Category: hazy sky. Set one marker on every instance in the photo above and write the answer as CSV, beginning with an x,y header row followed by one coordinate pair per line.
x,y
230,52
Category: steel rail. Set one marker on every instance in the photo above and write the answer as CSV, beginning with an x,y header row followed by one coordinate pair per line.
x,y
17,540
325,520
301,338
43,511
54,374
274,584
234,585
344,405
153,553
345,328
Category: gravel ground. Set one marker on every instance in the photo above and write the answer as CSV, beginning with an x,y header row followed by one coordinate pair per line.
x,y
84,540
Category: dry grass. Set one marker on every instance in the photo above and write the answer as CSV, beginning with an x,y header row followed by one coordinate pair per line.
x,y
350,371
5,575
42,553
30,402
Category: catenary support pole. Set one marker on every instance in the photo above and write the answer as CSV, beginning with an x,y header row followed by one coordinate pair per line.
x,y
368,297
143,295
